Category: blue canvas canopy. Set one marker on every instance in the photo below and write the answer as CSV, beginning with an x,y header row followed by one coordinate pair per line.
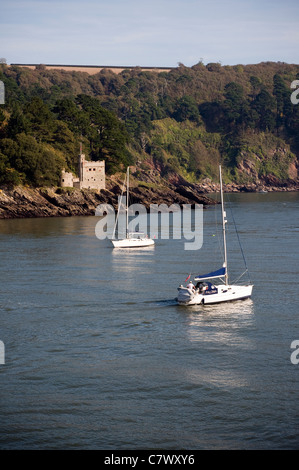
x,y
212,275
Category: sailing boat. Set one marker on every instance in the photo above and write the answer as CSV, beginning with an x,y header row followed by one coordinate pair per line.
x,y
205,291
132,239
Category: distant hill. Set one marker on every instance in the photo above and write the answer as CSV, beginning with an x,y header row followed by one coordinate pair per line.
x,y
183,121
91,69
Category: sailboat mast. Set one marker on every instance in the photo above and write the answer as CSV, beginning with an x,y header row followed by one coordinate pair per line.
x,y
223,226
127,205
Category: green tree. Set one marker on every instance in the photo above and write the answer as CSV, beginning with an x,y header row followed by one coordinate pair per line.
x,y
284,108
264,105
8,175
107,134
234,103
18,123
41,119
186,108
68,111
39,164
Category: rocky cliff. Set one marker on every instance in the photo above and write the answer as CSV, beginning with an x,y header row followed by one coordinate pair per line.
x,y
62,202
21,201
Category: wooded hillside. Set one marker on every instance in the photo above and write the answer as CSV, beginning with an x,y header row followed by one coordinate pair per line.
x,y
184,122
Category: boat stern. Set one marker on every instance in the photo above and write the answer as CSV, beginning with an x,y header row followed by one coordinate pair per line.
x,y
188,296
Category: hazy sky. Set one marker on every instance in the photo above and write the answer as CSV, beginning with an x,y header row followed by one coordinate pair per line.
x,y
149,33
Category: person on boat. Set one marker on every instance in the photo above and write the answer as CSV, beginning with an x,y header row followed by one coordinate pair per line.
x,y
191,286
199,286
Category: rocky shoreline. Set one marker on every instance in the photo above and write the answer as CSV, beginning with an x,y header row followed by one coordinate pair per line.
x,y
25,202
209,188
21,202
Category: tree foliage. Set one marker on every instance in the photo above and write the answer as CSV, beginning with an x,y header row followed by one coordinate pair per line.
x,y
209,109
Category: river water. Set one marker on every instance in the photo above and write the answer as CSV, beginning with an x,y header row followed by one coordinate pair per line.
x,y
99,356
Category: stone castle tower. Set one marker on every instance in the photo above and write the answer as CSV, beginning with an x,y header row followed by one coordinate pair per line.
x,y
91,175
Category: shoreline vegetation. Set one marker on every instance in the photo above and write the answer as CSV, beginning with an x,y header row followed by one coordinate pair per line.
x,y
26,202
172,127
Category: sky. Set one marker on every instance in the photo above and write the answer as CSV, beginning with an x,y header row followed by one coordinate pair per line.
x,y
159,33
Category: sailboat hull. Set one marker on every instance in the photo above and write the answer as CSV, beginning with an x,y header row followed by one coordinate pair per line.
x,y
223,294
132,242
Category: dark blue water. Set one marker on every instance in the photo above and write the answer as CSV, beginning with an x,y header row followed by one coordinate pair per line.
x,y
99,356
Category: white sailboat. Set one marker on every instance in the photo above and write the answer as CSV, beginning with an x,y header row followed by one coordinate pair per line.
x,y
205,291
132,239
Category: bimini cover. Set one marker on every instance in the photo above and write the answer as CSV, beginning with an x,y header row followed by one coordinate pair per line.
x,y
212,275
